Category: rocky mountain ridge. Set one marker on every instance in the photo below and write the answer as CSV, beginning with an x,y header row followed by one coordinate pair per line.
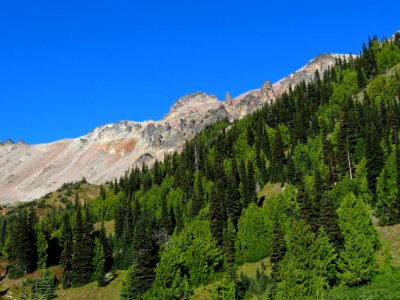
x,y
30,171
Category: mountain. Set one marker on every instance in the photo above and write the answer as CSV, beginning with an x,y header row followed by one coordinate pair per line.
x,y
30,171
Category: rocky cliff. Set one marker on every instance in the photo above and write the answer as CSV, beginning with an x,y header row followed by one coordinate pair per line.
x,y
30,171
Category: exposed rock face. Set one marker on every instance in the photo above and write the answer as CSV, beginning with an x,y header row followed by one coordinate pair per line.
x,y
267,91
228,99
307,73
30,171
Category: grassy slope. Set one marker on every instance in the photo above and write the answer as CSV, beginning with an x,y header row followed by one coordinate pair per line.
x,y
390,236
383,286
92,291
204,292
59,198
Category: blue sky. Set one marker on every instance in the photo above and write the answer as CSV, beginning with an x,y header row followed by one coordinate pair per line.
x,y
69,66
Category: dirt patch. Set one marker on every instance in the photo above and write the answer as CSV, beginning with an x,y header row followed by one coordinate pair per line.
x,y
117,147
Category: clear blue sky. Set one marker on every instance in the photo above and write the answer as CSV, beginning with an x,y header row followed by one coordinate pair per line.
x,y
69,66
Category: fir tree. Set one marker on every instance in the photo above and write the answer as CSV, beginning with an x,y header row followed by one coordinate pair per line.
x,y
141,274
232,196
308,266
99,263
217,216
250,186
82,251
357,261
165,219
22,248
328,219
66,255
102,192
198,195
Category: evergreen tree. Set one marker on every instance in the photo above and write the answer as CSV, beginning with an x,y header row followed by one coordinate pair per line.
x,y
232,196
22,249
198,195
42,246
66,255
45,286
357,261
278,249
387,191
165,219
102,192
278,159
141,274
82,250
250,186
308,266
328,219
99,263
107,248
217,215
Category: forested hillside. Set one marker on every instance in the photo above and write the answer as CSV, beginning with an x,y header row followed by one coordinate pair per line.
x,y
331,150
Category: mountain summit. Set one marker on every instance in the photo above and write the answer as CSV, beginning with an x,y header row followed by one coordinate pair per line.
x,y
30,171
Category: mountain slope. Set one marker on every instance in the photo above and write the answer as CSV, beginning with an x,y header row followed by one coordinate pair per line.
x,y
30,171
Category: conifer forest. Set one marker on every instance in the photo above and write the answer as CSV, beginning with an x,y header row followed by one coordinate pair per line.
x,y
298,190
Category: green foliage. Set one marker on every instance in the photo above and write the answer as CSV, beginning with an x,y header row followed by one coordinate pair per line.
x,y
383,88
330,143
66,254
223,290
22,248
145,259
82,250
309,157
357,262
387,56
190,257
387,191
348,86
383,286
44,287
308,266
42,246
253,240
126,290
244,151
99,263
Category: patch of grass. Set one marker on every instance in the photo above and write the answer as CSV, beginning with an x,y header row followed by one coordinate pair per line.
x,y
393,70
15,285
88,291
250,269
269,190
92,291
108,225
390,236
203,292
384,286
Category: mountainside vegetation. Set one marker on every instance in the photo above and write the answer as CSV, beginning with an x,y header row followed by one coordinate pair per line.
x,y
300,186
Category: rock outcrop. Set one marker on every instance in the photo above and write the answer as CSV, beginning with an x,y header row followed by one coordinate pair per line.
x,y
30,171
267,92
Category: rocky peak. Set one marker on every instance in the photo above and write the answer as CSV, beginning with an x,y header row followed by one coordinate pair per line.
x,y
267,92
107,151
192,100
7,142
228,99
321,63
